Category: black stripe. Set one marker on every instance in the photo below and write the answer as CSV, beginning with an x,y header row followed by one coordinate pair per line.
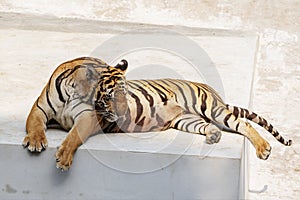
x,y
200,123
262,122
199,91
147,96
190,123
214,108
108,81
235,112
141,122
212,92
194,99
281,139
76,105
98,95
237,126
165,82
37,105
246,113
105,75
226,120
183,125
113,70
63,76
58,83
275,134
192,92
161,94
218,112
163,87
205,127
139,106
77,115
177,123
270,128
98,63
252,116
112,127
203,102
48,99
181,91
242,113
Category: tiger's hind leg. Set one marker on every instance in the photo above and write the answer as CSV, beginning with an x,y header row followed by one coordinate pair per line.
x,y
262,147
36,140
195,124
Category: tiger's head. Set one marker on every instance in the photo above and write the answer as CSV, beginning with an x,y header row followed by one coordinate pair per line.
x,y
111,102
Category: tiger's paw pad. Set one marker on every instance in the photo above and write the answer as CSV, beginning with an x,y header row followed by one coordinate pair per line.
x,y
263,152
35,143
64,158
213,136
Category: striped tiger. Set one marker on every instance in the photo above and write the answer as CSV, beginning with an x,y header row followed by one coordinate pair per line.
x,y
68,99
122,105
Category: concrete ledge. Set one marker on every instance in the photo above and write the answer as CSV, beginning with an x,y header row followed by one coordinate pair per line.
x,y
28,176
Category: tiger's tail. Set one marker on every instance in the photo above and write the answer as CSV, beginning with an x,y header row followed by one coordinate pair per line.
x,y
244,113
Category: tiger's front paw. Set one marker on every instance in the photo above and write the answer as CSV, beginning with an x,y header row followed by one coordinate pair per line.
x,y
35,142
64,157
263,150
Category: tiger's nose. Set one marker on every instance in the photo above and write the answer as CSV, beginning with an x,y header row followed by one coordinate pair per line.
x,y
122,89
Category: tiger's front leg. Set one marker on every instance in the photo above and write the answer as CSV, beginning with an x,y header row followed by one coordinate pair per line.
x,y
36,140
85,125
195,124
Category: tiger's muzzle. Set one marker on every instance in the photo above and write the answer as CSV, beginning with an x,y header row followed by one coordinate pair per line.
x,y
120,103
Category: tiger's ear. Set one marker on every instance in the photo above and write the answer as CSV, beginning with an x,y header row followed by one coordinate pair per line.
x,y
122,65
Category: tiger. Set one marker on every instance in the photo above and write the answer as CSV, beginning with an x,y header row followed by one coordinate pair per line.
x,y
161,104
158,105
68,100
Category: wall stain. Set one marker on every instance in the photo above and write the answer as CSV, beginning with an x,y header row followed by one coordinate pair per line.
x,y
25,191
9,189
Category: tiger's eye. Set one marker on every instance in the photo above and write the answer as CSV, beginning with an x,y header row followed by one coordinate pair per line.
x,y
100,104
